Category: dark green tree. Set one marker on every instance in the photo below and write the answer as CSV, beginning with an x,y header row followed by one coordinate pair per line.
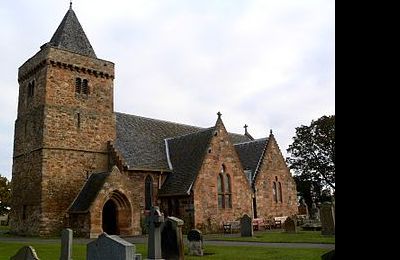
x,y
312,158
5,194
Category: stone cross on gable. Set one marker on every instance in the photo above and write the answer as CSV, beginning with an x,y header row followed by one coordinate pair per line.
x,y
155,220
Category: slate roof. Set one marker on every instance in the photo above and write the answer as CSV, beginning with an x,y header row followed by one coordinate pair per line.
x,y
70,36
250,153
88,193
141,141
186,155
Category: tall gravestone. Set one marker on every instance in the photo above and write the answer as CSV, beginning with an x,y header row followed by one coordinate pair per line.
x,y
327,219
155,221
303,208
107,247
25,253
246,226
195,239
172,240
290,225
314,215
66,244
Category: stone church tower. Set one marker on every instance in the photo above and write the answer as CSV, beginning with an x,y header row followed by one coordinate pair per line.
x,y
65,119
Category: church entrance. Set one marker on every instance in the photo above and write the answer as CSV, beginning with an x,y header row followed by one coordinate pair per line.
x,y
117,215
110,218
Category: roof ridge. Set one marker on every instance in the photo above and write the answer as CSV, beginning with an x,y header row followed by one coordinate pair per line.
x,y
160,120
181,124
252,141
180,136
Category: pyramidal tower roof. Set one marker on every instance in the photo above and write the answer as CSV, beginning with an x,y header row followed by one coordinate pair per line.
x,y
70,36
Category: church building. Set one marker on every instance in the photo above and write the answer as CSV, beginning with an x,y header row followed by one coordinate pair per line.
x,y
79,164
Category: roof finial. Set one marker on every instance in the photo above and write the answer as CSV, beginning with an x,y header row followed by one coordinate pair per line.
x,y
245,128
270,131
219,115
70,4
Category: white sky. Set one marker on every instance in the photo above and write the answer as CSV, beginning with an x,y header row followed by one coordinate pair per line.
x,y
268,64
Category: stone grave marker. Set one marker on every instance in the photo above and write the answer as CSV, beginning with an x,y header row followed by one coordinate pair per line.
x,y
66,244
195,238
25,253
290,225
303,208
327,219
155,220
246,226
172,240
107,247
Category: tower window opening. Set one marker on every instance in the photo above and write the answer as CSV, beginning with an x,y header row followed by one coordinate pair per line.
x,y
31,89
82,86
78,85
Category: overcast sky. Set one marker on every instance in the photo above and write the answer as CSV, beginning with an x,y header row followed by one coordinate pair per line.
x,y
268,64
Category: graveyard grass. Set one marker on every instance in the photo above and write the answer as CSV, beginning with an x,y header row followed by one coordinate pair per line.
x,y
51,251
279,236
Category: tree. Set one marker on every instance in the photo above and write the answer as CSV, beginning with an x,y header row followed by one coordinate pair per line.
x,y
312,157
5,194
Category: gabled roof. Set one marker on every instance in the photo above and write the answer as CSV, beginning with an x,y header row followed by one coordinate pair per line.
x,y
186,154
250,154
70,36
141,141
88,193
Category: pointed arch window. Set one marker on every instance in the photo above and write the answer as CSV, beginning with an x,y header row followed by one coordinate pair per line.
x,y
280,191
275,194
148,196
224,189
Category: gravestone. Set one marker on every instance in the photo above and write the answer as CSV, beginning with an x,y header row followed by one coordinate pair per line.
x,y
107,247
314,215
290,225
195,239
25,253
303,208
172,240
66,244
327,219
155,220
246,226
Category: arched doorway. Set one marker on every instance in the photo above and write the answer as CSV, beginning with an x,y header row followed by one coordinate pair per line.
x,y
110,218
117,215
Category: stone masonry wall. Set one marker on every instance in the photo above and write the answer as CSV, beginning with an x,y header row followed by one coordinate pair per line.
x,y
274,169
207,216
26,194
64,174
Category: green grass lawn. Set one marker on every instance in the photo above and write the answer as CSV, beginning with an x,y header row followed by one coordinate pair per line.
x,y
51,251
280,237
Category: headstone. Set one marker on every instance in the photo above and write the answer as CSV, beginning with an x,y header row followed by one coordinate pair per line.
x,y
66,244
155,220
327,219
171,239
246,226
290,225
195,239
314,215
25,253
329,255
303,208
107,247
